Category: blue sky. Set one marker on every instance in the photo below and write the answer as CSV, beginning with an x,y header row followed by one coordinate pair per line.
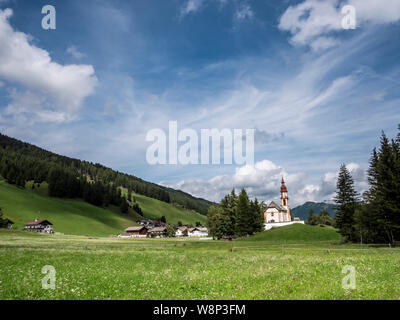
x,y
316,94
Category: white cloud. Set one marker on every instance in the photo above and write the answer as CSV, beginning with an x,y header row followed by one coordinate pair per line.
x,y
244,12
191,6
263,181
66,86
382,11
315,22
29,107
73,51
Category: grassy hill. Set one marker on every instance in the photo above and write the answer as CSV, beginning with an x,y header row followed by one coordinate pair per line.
x,y
303,211
21,162
71,216
296,233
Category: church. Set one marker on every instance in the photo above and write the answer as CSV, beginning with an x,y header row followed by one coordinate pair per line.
x,y
278,215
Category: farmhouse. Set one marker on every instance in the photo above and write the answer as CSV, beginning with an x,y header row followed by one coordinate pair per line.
x,y
137,232
157,232
180,232
278,215
41,226
198,232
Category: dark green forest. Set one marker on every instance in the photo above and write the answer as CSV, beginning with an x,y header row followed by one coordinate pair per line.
x,y
373,217
72,178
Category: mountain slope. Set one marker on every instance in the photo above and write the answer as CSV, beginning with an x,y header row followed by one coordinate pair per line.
x,y
24,162
71,216
304,210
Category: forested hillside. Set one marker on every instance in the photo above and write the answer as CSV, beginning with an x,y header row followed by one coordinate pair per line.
x,y
72,178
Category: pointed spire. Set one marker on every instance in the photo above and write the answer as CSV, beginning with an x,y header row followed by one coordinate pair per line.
x,y
283,187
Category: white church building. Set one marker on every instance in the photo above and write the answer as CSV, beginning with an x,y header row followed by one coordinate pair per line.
x,y
278,215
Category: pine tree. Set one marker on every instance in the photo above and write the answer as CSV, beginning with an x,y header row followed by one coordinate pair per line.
x,y
124,206
384,195
257,215
244,217
216,222
325,218
229,207
346,198
312,218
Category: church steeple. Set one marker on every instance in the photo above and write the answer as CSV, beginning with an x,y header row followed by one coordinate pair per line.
x,y
285,200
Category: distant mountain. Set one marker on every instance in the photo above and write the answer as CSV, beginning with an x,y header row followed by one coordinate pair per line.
x,y
303,211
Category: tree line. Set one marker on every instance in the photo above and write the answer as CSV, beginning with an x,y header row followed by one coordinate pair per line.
x,y
236,215
323,218
374,217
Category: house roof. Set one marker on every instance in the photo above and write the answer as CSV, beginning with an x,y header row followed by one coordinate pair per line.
x,y
37,222
133,229
276,206
182,228
158,229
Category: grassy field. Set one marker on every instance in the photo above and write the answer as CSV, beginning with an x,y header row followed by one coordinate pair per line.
x,y
104,268
78,217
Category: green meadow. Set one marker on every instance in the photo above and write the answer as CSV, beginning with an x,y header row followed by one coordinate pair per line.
x,y
76,217
255,268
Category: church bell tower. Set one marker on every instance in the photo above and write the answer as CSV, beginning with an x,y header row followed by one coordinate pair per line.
x,y
285,200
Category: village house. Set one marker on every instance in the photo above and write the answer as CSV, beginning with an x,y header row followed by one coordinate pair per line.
x,y
41,226
198,232
157,232
180,232
137,232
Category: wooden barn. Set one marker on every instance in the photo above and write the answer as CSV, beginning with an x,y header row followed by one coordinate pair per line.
x,y
137,232
41,226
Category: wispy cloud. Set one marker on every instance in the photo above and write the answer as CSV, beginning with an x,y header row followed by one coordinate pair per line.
x,y
73,51
244,11
190,6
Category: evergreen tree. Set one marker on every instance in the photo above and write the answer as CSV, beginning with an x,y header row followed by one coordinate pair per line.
x,y
244,218
312,218
229,207
383,198
346,198
257,215
217,222
325,218
124,206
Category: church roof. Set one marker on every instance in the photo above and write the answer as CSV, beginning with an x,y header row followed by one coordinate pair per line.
x,y
276,206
